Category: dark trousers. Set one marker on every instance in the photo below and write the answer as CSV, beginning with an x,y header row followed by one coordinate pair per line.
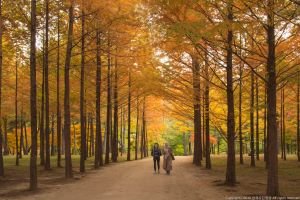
x,y
156,161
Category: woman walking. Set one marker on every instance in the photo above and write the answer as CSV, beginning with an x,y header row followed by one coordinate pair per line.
x,y
156,153
168,157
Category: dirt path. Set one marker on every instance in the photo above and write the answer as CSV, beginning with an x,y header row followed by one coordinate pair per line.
x,y
135,180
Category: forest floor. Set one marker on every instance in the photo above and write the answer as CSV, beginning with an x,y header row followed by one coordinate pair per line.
x,y
135,180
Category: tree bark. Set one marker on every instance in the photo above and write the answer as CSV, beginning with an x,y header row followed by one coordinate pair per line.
x,y
21,135
58,113
240,116
145,150
6,147
252,152
109,106
82,114
206,101
298,116
137,128
98,153
33,111
1,136
52,135
92,150
272,180
197,112
67,120
16,117
265,127
230,169
116,108
47,128
257,118
283,126
129,115
42,121
26,138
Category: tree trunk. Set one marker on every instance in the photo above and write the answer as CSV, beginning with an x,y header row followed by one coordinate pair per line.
x,y
202,147
88,137
1,136
26,139
67,120
265,127
230,169
33,112
283,126
121,132
252,121
109,106
206,101
272,181
240,116
52,135
129,115
16,116
92,150
21,136
98,153
142,134
58,113
63,146
47,128
144,129
82,114
197,112
42,121
6,147
74,139
257,119
137,128
298,115
116,108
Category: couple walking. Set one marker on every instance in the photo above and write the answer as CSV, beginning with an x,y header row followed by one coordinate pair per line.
x,y
167,157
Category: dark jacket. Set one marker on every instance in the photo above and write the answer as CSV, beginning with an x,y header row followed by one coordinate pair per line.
x,y
156,153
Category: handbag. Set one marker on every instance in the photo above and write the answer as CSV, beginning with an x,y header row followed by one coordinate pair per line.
x,y
173,158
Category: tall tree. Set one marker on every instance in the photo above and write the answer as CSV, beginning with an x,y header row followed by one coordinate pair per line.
x,y
1,136
82,113
252,152
206,102
240,114
265,126
144,132
137,128
98,152
58,113
272,180
67,118
129,115
16,116
47,114
109,106
230,169
197,112
298,115
42,121
92,145
116,114
257,118
33,112
52,135
283,145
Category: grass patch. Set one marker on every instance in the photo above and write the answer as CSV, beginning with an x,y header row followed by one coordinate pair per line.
x,y
253,180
